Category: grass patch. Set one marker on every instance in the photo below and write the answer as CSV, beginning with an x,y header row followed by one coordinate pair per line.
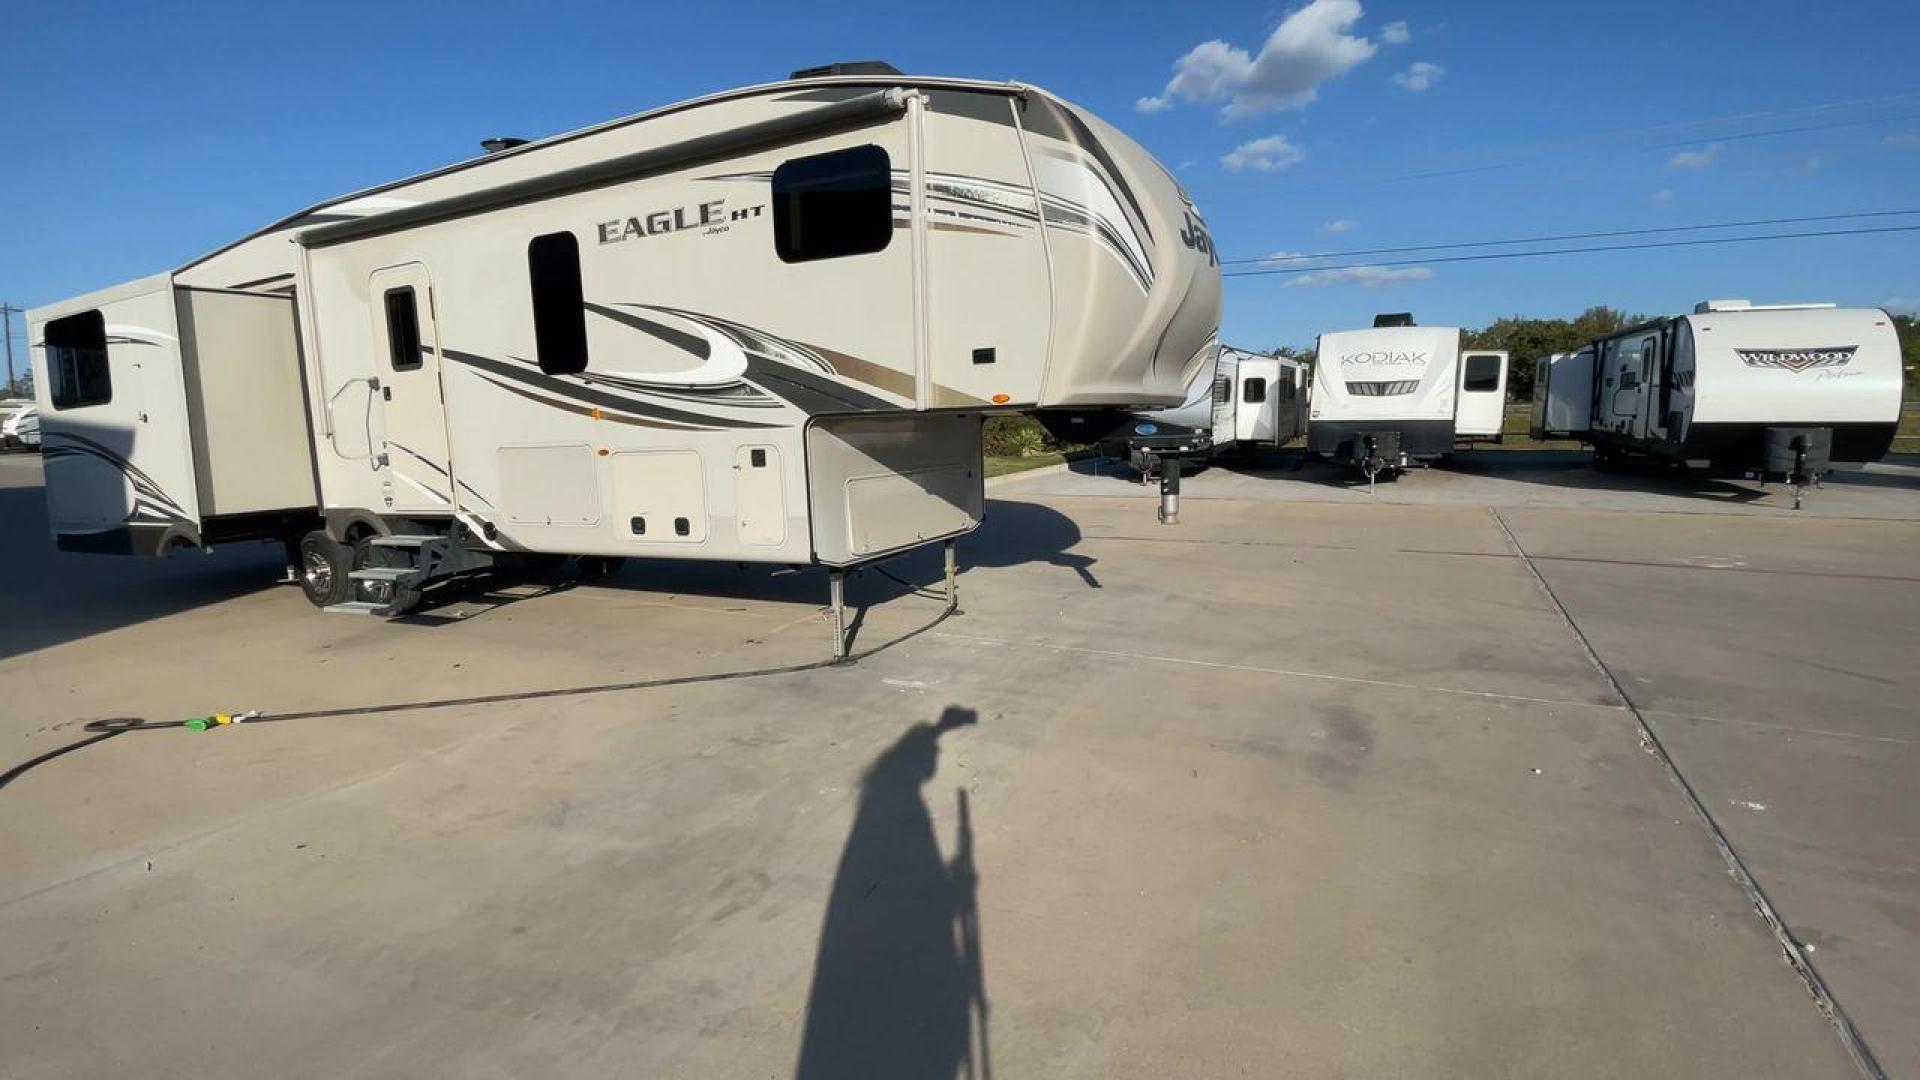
x,y
1001,466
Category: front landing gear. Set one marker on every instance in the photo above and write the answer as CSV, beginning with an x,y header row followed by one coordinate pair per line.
x,y
837,595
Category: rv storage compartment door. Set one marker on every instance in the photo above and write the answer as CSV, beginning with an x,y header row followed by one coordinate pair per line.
x,y
251,443
877,485
114,422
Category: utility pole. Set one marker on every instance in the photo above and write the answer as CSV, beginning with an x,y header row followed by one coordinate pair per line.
x,y
6,315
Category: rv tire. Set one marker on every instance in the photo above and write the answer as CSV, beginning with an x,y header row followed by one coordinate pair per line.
x,y
322,569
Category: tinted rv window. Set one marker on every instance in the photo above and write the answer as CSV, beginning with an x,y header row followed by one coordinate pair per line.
x,y
1483,373
1253,391
77,361
403,329
559,304
831,205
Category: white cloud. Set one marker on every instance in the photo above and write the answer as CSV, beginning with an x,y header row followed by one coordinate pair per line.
x,y
1903,138
1309,47
1902,305
1371,277
1286,258
1420,77
1184,166
1661,197
1696,159
1336,225
1396,33
1271,154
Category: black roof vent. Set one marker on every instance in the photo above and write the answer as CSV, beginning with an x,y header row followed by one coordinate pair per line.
x,y
501,142
1393,318
850,67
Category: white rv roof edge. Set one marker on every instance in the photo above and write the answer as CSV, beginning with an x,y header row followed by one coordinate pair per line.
x,y
855,109
139,286
937,82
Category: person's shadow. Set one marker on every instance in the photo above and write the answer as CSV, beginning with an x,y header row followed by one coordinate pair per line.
x,y
898,984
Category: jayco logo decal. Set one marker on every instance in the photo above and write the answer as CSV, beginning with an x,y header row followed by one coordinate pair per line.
x,y
1798,359
1196,236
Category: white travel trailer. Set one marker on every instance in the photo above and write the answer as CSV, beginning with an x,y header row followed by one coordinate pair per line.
x,y
1788,390
13,413
760,326
21,428
1397,394
1259,400
1243,402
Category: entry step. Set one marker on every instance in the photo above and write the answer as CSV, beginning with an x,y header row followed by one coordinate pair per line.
x,y
356,607
382,573
402,541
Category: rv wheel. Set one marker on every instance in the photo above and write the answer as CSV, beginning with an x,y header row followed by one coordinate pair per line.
x,y
323,567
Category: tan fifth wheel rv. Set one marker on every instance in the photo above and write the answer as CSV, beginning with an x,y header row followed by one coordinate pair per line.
x,y
759,326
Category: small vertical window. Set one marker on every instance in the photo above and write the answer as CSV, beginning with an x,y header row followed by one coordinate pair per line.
x,y
1483,373
559,304
1253,391
831,205
77,372
403,329
1222,390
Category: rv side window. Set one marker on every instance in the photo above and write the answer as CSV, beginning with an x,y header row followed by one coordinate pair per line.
x,y
831,205
1253,391
1483,373
77,361
559,304
403,329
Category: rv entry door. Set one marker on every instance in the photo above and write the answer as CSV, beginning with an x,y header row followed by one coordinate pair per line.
x,y
1481,409
415,466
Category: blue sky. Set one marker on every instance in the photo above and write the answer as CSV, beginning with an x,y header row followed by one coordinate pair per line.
x,y
143,136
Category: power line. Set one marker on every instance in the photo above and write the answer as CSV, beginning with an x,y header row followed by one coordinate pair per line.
x,y
1700,242
1651,231
1520,154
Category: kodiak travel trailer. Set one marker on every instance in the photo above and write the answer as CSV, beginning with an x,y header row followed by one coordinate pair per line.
x,y
1398,394
1245,401
1788,391
760,326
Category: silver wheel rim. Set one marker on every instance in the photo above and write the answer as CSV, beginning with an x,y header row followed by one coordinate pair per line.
x,y
318,573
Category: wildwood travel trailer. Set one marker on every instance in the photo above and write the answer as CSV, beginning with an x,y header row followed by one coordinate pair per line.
x,y
1789,391
1245,401
1397,394
760,326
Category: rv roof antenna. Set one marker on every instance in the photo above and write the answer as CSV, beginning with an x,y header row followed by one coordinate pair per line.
x,y
847,67
501,142
1393,318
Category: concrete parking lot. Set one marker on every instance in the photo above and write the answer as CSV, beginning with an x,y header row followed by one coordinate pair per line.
x,y
1310,784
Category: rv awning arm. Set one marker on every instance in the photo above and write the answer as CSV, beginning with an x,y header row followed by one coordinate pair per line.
x,y
720,144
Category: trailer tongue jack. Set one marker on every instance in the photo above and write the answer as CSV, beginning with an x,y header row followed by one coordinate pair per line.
x,y
1170,491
